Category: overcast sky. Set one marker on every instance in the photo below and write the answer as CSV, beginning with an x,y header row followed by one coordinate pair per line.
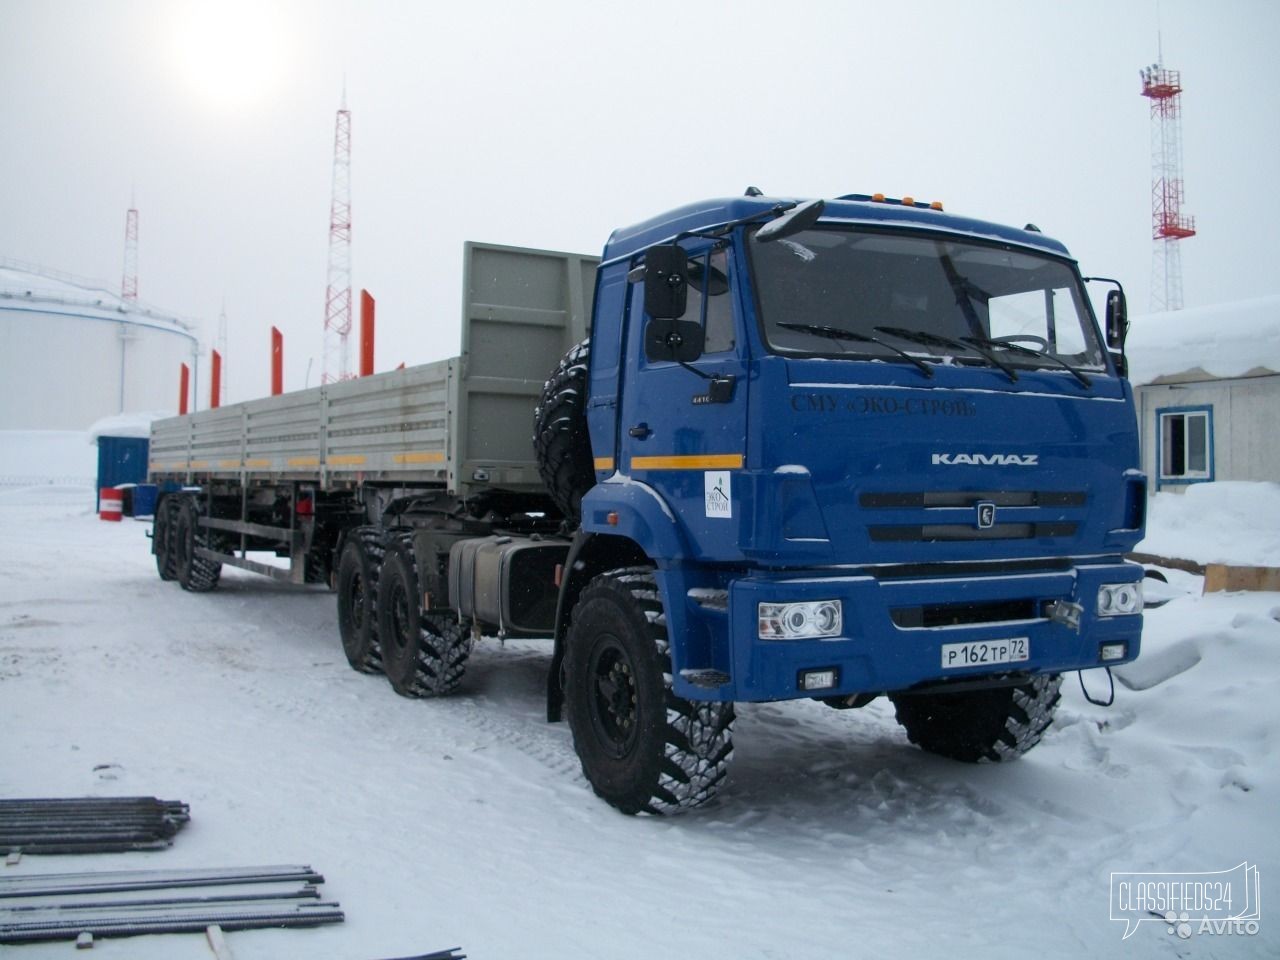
x,y
550,124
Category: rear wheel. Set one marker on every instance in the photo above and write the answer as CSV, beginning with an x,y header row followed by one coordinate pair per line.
x,y
357,590
424,654
981,725
643,749
195,573
162,539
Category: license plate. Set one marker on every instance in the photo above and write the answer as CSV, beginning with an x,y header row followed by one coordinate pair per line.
x,y
985,652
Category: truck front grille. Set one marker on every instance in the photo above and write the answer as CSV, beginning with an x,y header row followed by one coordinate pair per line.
x,y
948,515
950,499
934,532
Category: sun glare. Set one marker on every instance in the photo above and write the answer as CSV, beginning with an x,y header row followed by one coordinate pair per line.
x,y
229,54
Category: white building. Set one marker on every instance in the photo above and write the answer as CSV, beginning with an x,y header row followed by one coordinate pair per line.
x,y
1207,385
72,352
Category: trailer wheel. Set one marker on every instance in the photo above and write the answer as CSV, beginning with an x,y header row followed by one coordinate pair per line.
x,y
979,726
194,573
162,539
643,749
424,654
357,592
560,439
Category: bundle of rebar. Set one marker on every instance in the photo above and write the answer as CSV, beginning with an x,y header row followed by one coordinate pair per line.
x,y
65,906
89,824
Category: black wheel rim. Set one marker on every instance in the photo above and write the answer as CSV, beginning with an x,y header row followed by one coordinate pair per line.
x,y
613,696
184,546
355,601
399,617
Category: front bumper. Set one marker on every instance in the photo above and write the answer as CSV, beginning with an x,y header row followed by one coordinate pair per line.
x,y
895,627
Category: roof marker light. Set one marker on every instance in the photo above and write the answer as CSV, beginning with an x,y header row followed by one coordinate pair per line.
x,y
908,202
877,198
936,205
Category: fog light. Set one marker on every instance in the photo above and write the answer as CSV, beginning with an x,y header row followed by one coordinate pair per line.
x,y
800,621
1113,651
1119,599
818,679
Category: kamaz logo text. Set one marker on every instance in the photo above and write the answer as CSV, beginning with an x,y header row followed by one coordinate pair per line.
x,y
986,459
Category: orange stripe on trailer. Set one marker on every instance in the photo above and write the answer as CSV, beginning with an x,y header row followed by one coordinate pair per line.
x,y
604,463
347,460
426,456
304,461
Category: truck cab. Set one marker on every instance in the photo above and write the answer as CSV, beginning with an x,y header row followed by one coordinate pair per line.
x,y
887,450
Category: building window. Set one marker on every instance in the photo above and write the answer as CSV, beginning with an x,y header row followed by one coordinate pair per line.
x,y
1186,444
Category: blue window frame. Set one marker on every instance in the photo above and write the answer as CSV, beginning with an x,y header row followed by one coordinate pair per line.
x,y
1184,445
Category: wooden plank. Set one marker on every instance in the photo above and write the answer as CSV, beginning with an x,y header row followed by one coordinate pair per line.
x,y
1220,577
1173,563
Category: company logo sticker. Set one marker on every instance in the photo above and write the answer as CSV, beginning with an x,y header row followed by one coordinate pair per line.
x,y
718,494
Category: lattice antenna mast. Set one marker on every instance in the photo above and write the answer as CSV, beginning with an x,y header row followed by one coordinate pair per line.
x,y
337,298
129,277
1169,225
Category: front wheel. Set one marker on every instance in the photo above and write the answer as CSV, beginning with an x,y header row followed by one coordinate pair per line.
x,y
981,725
643,749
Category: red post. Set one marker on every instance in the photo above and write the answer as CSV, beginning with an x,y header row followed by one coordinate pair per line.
x,y
277,362
215,388
184,386
366,334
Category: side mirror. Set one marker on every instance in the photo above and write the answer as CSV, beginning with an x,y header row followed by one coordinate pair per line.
x,y
1117,319
674,341
800,217
666,282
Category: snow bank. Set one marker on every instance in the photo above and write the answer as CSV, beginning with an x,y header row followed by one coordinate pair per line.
x,y
1234,522
1226,340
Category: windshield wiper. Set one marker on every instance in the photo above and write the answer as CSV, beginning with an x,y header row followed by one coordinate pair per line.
x,y
1032,352
837,333
937,340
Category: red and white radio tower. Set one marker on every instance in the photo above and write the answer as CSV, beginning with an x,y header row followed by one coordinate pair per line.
x,y
337,297
1168,224
129,278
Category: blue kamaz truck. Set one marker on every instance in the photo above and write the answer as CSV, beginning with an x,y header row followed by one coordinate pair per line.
x,y
833,449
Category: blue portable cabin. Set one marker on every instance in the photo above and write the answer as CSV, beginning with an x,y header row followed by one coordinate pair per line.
x,y
121,460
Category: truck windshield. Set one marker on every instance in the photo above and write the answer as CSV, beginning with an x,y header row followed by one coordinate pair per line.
x,y
873,293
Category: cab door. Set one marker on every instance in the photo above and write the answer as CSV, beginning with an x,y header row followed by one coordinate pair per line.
x,y
682,432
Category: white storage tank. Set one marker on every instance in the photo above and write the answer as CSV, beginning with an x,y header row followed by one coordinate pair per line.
x,y
72,352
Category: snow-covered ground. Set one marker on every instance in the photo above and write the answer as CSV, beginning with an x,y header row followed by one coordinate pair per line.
x,y
466,821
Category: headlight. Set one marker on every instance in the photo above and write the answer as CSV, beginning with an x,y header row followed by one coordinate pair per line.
x,y
800,621
1118,599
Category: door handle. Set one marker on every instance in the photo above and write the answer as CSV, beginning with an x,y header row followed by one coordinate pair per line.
x,y
640,431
